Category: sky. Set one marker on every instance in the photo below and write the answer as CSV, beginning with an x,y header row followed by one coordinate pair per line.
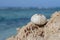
x,y
30,3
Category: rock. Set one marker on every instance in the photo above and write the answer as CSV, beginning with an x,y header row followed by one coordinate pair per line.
x,y
11,38
30,28
52,27
56,13
34,37
32,31
38,19
55,36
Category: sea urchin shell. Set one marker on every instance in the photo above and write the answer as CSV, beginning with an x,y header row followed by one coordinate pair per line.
x,y
38,19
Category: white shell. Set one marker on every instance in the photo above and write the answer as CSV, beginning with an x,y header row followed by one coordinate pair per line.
x,y
38,19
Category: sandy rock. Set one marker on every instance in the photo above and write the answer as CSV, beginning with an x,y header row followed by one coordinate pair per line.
x,y
34,37
11,38
56,13
31,31
30,28
53,26
55,36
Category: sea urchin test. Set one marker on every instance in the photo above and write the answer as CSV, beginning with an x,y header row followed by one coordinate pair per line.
x,y
38,19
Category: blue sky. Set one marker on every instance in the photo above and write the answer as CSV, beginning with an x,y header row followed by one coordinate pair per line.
x,y
29,3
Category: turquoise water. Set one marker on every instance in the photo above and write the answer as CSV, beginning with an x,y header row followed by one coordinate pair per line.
x,y
10,19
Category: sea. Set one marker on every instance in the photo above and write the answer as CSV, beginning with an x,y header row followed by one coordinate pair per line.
x,y
12,18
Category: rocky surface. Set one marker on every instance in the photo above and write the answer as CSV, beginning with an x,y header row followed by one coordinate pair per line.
x,y
28,32
48,31
52,28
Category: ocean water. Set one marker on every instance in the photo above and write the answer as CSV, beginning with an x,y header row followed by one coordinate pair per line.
x,y
10,19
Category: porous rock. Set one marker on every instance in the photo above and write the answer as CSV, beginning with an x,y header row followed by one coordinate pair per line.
x,y
31,31
52,27
25,31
